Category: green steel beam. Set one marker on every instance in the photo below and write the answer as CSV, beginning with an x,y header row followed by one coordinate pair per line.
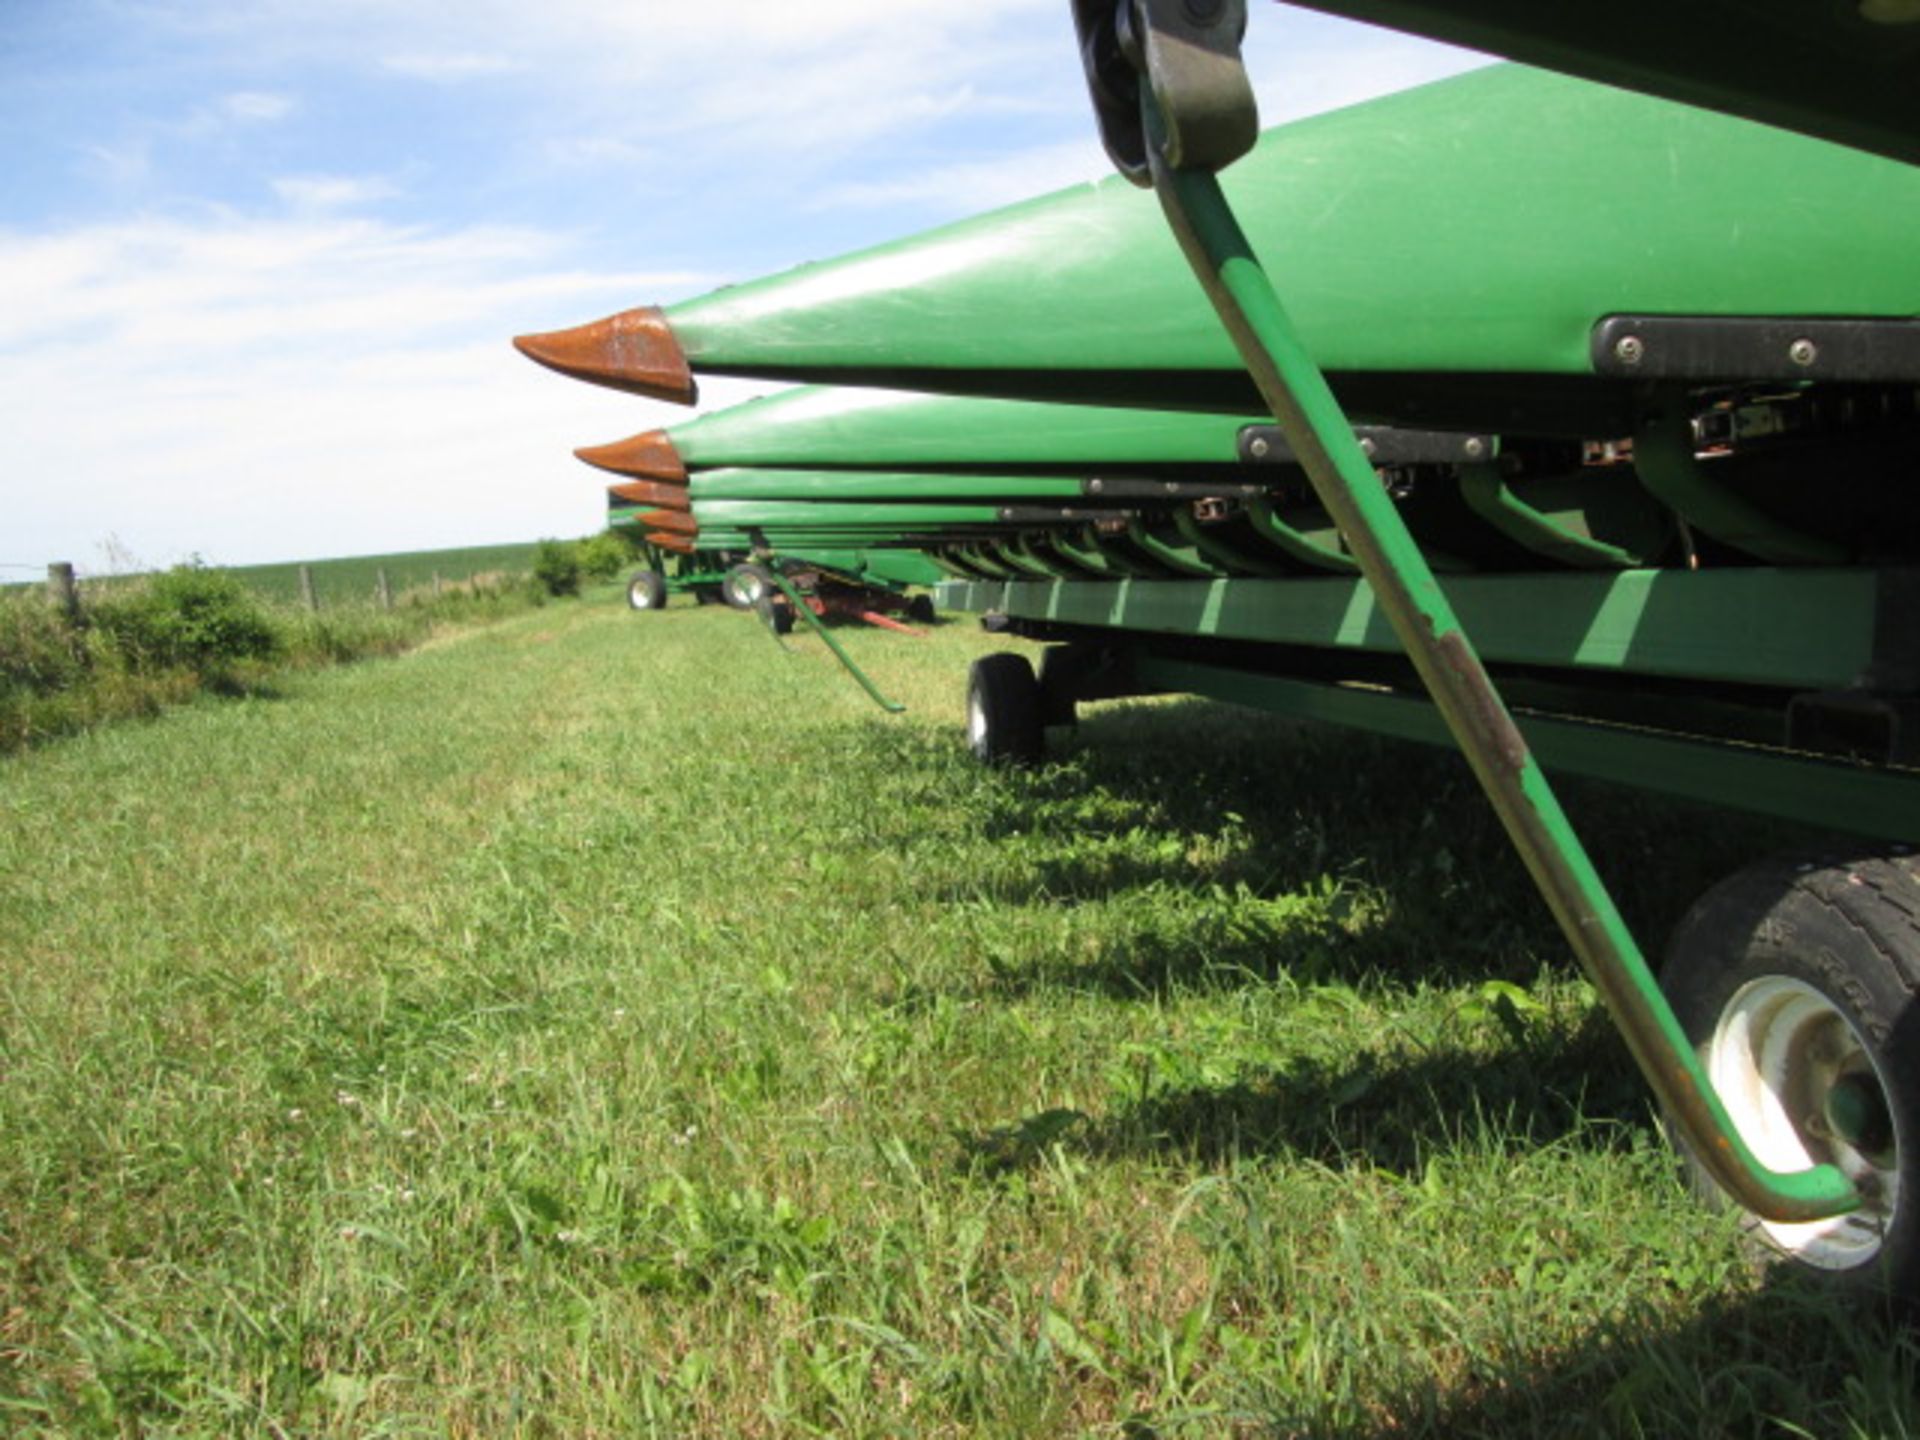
x,y
827,514
764,483
1820,632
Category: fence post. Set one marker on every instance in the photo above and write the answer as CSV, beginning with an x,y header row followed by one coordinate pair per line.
x,y
61,590
307,597
436,584
385,590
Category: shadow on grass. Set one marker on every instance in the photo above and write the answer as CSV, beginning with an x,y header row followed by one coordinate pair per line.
x,y
1791,1357
1380,1111
1192,799
1314,798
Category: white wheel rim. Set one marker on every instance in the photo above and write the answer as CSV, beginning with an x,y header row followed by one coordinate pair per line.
x,y
977,723
1774,1057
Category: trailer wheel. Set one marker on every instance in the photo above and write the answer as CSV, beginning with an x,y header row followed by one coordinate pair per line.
x,y
647,590
746,585
1796,981
1003,710
779,616
920,610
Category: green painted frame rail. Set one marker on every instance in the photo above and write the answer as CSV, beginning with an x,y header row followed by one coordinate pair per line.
x,y
1826,634
1342,476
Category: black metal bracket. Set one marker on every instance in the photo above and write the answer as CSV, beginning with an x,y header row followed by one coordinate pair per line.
x,y
1896,634
1770,348
1188,51
1131,487
1872,729
1054,514
1079,671
1382,444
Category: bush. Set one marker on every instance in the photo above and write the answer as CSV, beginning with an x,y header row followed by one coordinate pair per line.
x,y
146,643
39,650
190,616
556,566
606,555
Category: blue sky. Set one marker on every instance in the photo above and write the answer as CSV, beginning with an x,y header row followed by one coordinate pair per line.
x,y
260,259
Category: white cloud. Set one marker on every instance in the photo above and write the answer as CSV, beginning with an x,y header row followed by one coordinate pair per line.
x,y
332,192
447,68
976,185
127,163
257,106
584,152
253,390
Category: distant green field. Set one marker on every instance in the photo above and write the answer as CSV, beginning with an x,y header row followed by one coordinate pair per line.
x,y
355,578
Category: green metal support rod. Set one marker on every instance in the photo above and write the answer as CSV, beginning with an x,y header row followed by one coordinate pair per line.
x,y
1322,440
892,707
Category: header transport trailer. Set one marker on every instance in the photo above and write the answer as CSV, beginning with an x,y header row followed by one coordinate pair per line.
x,y
677,558
1667,535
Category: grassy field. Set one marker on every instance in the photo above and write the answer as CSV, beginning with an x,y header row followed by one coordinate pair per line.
x,y
354,580
611,1025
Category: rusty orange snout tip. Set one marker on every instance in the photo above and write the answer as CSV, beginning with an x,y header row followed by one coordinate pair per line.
x,y
635,351
678,543
652,492
648,456
673,522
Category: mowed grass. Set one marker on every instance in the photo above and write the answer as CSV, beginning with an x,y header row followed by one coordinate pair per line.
x,y
611,1025
355,580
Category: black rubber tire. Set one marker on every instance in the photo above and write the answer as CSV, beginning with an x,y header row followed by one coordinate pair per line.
x,y
746,585
1819,958
1058,669
780,616
920,610
1003,711
647,590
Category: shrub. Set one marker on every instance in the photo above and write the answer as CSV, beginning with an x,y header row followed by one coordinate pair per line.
x,y
604,556
189,616
556,566
39,650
